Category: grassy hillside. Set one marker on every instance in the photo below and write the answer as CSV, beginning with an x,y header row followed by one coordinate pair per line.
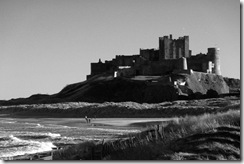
x,y
234,84
105,88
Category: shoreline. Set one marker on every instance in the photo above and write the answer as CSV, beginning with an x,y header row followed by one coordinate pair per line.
x,y
173,109
159,137
141,123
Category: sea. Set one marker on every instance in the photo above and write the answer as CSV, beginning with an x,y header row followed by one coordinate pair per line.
x,y
20,136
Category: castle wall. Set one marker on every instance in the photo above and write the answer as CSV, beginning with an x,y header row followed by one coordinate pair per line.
x,y
149,54
158,68
172,55
100,67
126,72
122,60
97,68
141,65
198,63
209,62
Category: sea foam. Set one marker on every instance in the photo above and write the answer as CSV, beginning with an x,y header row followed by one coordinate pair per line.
x,y
30,147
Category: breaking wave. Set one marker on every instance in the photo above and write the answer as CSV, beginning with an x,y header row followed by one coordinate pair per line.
x,y
34,136
16,146
53,135
39,126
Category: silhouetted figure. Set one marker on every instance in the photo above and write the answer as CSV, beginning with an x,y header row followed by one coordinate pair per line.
x,y
88,120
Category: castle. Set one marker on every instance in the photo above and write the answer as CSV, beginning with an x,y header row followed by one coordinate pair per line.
x,y
173,55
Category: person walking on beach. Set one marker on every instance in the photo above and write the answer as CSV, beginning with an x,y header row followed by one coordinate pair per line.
x,y
88,120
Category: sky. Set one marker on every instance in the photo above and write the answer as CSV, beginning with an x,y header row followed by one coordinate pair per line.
x,y
48,44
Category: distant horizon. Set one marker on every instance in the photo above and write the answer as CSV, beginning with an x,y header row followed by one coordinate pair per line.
x,y
46,45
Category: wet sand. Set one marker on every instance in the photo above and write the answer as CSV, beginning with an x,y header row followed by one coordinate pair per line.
x,y
77,122
130,122
115,122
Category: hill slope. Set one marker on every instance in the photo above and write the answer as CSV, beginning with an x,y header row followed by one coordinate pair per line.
x,y
102,88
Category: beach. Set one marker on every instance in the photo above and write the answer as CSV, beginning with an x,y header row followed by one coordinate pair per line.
x,y
22,136
42,135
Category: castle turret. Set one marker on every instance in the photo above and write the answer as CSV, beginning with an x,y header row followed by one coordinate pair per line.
x,y
186,47
164,47
213,54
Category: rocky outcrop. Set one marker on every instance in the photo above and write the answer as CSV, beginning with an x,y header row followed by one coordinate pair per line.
x,y
202,85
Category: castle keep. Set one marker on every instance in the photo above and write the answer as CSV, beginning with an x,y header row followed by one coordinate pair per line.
x,y
173,55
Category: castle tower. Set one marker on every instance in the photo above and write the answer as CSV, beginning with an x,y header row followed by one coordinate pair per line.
x,y
213,54
186,53
170,48
164,48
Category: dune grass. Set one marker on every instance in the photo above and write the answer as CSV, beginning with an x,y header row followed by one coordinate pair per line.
x,y
198,124
182,128
123,109
205,137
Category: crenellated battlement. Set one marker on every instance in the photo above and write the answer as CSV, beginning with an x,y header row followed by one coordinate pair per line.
x,y
172,55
